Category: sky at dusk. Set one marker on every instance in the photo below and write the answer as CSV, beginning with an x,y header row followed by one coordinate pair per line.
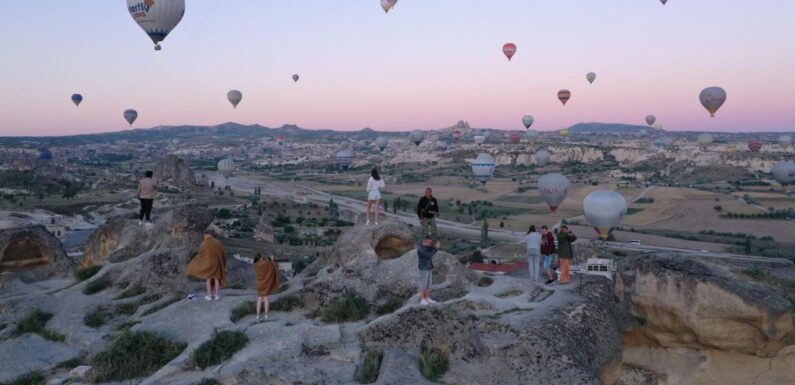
x,y
426,64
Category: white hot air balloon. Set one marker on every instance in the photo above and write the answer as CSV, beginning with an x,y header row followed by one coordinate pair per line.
x,y
705,139
480,139
381,142
590,77
234,97
553,188
156,17
542,157
531,135
785,141
443,145
643,132
784,172
130,116
417,136
483,167
344,158
527,121
604,210
226,167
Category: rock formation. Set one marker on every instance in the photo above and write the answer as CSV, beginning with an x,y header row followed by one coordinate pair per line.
x,y
33,254
264,229
175,170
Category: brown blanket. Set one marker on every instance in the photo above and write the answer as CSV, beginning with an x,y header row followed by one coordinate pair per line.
x,y
267,273
210,262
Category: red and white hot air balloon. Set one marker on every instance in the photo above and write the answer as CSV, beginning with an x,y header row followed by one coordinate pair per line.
x,y
457,135
509,49
515,136
564,96
754,145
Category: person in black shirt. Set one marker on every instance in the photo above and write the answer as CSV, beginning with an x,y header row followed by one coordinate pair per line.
x,y
427,211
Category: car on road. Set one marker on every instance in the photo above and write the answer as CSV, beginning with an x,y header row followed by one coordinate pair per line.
x,y
635,242
704,251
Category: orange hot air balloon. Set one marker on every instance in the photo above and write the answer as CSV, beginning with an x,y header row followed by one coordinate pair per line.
x,y
509,49
564,96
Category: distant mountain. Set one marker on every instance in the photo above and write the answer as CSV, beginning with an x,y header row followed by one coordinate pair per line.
x,y
606,127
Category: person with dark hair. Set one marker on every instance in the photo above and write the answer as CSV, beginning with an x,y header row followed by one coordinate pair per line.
x,y
427,211
374,186
533,241
146,195
210,264
548,252
266,271
565,251
425,253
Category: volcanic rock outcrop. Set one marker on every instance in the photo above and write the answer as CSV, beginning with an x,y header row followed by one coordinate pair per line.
x,y
264,229
32,253
173,169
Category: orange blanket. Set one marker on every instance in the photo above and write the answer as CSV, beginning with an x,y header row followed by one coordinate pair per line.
x,y
210,262
267,273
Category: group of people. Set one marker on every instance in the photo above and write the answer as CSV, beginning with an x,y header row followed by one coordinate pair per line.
x,y
542,253
427,207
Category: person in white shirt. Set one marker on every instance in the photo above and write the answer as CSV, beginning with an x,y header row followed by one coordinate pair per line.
x,y
374,186
533,240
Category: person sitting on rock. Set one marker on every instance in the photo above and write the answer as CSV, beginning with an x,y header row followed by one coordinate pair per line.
x,y
425,253
266,270
210,264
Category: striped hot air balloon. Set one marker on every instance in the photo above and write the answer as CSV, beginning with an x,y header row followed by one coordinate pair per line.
x,y
509,49
483,168
564,96
754,145
280,139
515,136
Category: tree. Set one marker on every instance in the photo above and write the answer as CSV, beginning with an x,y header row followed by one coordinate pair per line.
x,y
484,233
259,209
69,191
502,224
333,209
747,246
386,205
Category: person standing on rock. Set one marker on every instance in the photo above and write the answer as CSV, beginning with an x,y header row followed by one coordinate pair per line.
x,y
425,253
210,264
547,251
146,194
565,251
374,186
266,272
533,241
427,211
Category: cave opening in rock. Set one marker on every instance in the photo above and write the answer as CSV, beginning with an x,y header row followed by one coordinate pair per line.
x,y
22,254
391,247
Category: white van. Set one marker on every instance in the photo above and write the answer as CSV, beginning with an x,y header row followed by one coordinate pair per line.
x,y
636,242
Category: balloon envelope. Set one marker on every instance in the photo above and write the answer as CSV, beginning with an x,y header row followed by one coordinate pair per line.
x,y
76,99
130,116
705,139
553,188
784,172
515,136
509,49
590,76
417,136
712,98
296,77
532,135
564,96
45,154
381,142
483,167
480,139
542,157
650,119
564,133
344,158
457,134
527,121
226,167
755,145
234,97
785,141
604,210
442,144
156,18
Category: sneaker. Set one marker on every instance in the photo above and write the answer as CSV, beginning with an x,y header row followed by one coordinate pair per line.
x,y
217,297
148,224
140,223
191,297
549,282
259,318
265,317
424,302
208,298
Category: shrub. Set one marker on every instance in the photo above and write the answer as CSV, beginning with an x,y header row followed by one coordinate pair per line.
x,y
287,303
208,381
96,318
132,292
368,372
32,323
242,310
134,355
32,378
434,361
389,306
86,273
348,308
97,286
221,347
619,253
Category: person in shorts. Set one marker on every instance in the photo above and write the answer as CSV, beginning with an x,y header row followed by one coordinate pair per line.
x,y
425,253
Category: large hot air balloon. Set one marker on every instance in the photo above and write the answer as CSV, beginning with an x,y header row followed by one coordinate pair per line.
x,y
381,142
784,173
226,167
296,77
527,121
130,116
457,135
417,136
480,139
658,127
785,141
650,119
515,136
731,149
509,49
45,154
387,5
542,157
531,135
234,97
156,17
705,139
564,96
344,158
755,145
553,188
564,133
590,76
483,167
604,210
76,99
663,1
712,98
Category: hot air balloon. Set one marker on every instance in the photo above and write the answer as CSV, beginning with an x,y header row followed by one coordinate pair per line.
x,y
658,143
45,154
663,1
515,136
754,145
531,135
658,127
387,5
643,132
483,167
731,149
280,139
604,210
443,145
705,139
156,18
712,98
542,157
785,141
784,173
509,49
590,76
381,142
564,96
527,121
480,139
553,188
296,77
564,133
234,97
226,167
457,135
130,116
417,136
76,99
344,158
650,119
